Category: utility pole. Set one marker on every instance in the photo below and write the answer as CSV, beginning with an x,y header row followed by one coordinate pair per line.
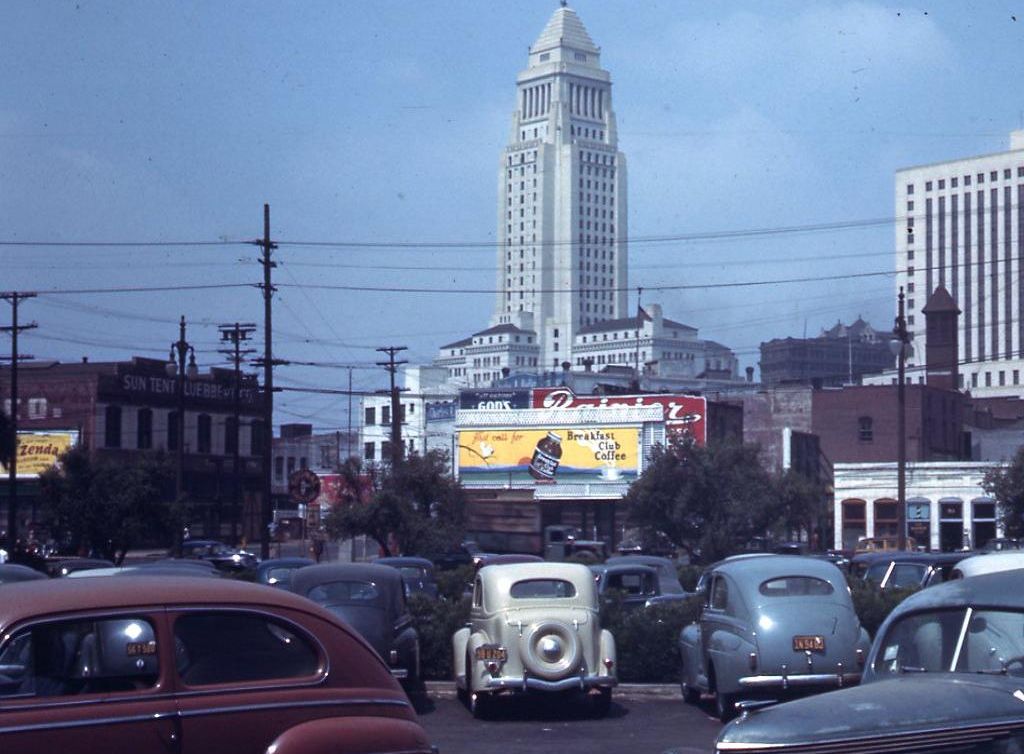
x,y
12,471
396,407
898,344
348,437
266,517
639,325
236,334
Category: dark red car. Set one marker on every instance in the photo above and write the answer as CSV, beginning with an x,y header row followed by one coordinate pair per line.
x,y
156,664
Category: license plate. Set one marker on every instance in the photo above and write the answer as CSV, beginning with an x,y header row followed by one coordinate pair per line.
x,y
491,653
808,643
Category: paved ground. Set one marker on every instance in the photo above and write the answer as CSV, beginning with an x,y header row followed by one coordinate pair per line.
x,y
639,723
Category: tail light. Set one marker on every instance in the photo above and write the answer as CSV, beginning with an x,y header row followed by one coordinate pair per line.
x,y
860,658
609,663
752,661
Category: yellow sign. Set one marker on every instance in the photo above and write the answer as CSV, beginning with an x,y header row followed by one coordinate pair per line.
x,y
583,455
39,451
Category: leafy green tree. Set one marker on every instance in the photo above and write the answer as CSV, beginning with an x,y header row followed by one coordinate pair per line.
x,y
708,500
107,506
416,505
800,504
1006,485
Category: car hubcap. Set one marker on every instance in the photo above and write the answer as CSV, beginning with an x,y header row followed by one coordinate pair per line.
x,y
550,648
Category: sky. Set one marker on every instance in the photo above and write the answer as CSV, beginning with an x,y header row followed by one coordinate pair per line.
x,y
139,142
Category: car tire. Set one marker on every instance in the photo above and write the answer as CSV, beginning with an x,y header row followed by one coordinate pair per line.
x,y
557,635
690,694
602,703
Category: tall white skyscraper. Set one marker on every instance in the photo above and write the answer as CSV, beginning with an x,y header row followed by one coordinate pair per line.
x,y
964,230
562,256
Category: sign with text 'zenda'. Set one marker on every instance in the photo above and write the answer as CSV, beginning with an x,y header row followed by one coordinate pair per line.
x,y
684,414
576,455
39,451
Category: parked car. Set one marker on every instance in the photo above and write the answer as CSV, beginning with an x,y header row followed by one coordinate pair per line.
x,y
772,627
533,629
635,584
990,562
482,559
372,599
148,665
278,571
944,674
219,554
12,573
456,558
668,575
62,566
562,542
912,570
998,544
417,573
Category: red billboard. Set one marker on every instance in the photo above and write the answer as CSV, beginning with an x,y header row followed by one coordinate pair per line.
x,y
684,414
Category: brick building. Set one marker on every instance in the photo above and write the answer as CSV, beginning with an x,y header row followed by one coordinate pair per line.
x,y
120,409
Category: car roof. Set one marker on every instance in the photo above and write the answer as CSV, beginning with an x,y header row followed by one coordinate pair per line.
x,y
991,562
1002,589
285,562
651,560
779,565
54,596
404,560
613,568
501,577
310,576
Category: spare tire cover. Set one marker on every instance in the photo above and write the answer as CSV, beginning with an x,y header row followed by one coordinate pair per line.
x,y
550,649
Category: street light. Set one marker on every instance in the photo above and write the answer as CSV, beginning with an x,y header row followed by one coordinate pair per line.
x,y
899,346
175,367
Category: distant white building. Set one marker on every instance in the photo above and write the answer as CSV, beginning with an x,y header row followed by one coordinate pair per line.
x,y
963,228
562,257
428,405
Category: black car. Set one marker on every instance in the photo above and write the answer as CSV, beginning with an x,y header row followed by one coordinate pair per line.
x,y
14,572
371,598
223,557
637,585
278,571
417,573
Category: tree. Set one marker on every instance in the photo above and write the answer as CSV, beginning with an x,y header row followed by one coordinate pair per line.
x,y
800,503
415,505
1006,485
708,500
107,506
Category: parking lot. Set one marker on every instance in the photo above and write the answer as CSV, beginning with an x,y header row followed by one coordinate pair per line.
x,y
637,724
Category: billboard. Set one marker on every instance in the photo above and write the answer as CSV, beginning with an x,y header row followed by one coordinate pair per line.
x,y
574,455
494,400
39,451
440,411
684,414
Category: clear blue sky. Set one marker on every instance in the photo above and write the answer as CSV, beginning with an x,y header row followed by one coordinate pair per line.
x,y
383,121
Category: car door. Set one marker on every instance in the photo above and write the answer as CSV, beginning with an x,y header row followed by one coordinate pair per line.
x,y
244,676
91,683
720,628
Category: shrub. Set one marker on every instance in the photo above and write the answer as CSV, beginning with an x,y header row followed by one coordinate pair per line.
x,y
872,604
647,639
688,576
451,584
436,622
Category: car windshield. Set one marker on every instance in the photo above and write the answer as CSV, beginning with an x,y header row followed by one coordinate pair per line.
x,y
413,572
795,586
964,640
542,589
344,592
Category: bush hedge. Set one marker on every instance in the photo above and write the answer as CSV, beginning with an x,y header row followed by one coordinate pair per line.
x,y
647,639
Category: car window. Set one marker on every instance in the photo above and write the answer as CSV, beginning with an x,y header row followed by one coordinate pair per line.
x,y
347,592
236,647
905,576
795,586
632,583
80,657
962,640
719,594
876,571
280,576
542,589
412,572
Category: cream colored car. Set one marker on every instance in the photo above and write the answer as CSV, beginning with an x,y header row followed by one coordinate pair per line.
x,y
534,629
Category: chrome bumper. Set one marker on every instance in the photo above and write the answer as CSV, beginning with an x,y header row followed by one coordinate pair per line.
x,y
400,673
785,681
529,683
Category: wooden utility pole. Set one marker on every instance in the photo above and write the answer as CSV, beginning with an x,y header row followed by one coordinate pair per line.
x,y
266,512
12,470
396,407
236,334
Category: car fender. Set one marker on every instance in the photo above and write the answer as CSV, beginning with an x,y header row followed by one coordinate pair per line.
x,y
689,649
459,641
352,735
607,653
476,639
729,653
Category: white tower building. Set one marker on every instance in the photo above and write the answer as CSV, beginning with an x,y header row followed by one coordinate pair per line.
x,y
964,229
562,256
